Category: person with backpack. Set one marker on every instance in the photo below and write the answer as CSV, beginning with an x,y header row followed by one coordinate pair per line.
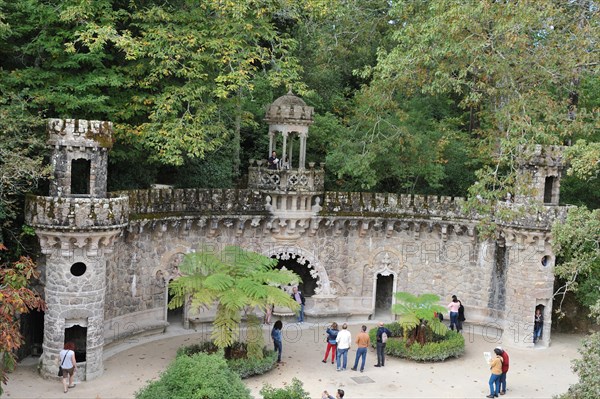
x,y
381,337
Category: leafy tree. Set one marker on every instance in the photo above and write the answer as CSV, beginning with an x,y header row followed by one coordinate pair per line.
x,y
587,367
514,68
293,391
197,376
237,281
16,299
418,315
576,245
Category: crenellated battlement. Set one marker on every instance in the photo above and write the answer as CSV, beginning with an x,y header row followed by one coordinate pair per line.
x,y
79,133
541,155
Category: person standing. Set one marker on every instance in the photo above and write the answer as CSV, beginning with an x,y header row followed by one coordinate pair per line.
x,y
344,340
273,161
66,357
332,333
362,342
277,339
338,395
496,368
461,316
381,338
298,297
505,364
453,307
538,325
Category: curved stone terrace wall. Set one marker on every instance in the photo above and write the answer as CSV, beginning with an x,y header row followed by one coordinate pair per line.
x,y
434,207
77,212
189,201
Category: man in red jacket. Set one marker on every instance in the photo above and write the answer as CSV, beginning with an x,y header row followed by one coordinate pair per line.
x,y
505,364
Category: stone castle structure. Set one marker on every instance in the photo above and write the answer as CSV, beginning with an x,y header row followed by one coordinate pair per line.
x,y
109,257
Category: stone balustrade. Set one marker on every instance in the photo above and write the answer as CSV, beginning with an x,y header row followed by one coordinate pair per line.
x,y
77,212
439,207
286,180
192,201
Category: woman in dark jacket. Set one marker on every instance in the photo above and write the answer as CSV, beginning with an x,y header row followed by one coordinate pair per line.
x,y
332,333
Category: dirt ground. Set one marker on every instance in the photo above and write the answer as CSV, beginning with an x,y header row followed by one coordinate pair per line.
x,y
534,373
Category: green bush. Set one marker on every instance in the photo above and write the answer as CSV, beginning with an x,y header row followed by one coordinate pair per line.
x,y
442,347
244,367
293,391
197,376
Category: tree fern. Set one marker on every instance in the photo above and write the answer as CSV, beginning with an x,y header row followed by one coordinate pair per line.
x,y
234,279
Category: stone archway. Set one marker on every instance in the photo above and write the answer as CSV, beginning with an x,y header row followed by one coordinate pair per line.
x,y
385,283
324,288
167,271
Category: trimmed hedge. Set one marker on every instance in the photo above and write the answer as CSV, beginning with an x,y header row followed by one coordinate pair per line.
x,y
440,348
243,367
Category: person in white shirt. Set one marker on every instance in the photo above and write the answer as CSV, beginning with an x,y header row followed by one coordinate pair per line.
x,y
66,357
344,340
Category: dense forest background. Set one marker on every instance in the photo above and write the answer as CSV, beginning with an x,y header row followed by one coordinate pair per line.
x,y
428,97
410,96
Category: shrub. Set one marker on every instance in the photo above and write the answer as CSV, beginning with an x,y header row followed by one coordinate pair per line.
x,y
197,376
293,391
441,348
245,367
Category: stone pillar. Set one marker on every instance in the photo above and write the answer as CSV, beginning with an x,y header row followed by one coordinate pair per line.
x,y
284,148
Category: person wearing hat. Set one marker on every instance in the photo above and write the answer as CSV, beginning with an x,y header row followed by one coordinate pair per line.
x,y
496,368
505,364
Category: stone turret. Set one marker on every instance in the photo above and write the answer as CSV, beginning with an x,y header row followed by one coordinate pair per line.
x,y
79,156
77,226
290,116
540,170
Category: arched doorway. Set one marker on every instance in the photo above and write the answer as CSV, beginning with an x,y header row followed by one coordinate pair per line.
x,y
174,316
308,285
384,293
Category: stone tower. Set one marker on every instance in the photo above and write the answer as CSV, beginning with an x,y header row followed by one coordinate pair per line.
x,y
540,169
77,225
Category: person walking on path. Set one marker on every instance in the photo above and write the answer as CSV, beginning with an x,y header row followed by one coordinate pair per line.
x,y
453,307
298,297
505,364
381,338
496,368
362,341
344,340
66,357
332,333
277,340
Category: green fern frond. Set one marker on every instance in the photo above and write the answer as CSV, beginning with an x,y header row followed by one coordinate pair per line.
x,y
219,282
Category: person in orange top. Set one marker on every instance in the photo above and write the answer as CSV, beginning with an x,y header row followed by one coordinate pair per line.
x,y
496,368
362,341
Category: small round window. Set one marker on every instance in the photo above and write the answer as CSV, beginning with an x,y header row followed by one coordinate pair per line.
x,y
545,260
78,269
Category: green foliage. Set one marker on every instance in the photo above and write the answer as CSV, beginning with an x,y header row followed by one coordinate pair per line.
x,y
16,298
197,376
243,366
413,310
575,244
236,280
293,391
586,368
450,344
